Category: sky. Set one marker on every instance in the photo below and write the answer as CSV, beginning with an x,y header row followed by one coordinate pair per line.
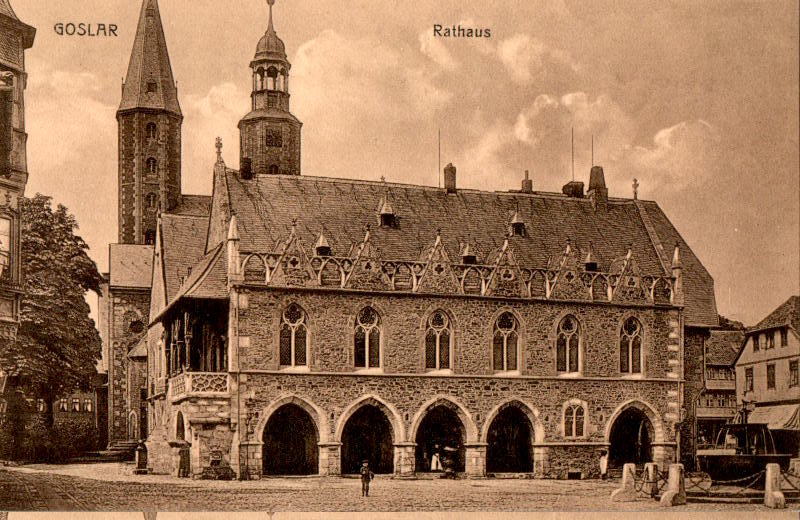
x,y
696,100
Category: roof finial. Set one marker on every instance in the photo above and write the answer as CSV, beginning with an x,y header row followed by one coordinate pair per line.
x,y
218,145
270,27
635,189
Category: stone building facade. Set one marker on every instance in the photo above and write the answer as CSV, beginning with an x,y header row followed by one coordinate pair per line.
x,y
501,332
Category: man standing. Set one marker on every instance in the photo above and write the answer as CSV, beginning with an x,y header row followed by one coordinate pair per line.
x,y
603,464
366,476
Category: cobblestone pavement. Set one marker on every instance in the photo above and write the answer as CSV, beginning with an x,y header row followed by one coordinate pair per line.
x,y
49,488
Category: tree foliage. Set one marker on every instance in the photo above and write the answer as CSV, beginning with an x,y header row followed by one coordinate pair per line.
x,y
57,346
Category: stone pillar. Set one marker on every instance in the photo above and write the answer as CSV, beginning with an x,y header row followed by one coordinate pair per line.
x,y
330,458
250,455
650,485
405,459
773,496
541,461
476,459
627,492
675,494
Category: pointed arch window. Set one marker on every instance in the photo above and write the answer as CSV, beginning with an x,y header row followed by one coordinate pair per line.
x,y
294,337
367,339
574,419
505,342
438,341
151,165
630,347
568,345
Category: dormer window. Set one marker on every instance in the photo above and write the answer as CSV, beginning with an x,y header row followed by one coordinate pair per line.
x,y
387,215
590,264
322,247
468,257
517,225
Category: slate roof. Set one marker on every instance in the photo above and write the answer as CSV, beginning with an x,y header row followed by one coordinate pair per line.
x,y
184,239
267,204
193,205
130,265
28,32
723,346
787,313
140,350
208,280
149,63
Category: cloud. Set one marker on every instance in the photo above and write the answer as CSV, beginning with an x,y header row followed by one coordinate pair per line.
x,y
683,154
524,55
342,81
434,49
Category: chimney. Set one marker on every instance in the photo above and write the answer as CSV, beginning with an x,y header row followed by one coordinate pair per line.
x,y
246,168
597,187
573,189
527,183
450,178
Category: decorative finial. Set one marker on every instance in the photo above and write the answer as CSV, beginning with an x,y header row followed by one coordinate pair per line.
x,y
383,179
635,189
294,225
270,27
218,145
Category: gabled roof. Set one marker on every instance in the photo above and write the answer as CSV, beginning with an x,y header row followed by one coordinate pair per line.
x,y
193,205
130,265
183,238
266,206
788,313
723,346
140,350
149,65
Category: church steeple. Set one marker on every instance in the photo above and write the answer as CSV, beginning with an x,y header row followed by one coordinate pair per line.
x,y
149,119
270,134
149,82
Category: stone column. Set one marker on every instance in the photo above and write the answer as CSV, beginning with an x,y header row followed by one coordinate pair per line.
x,y
541,462
476,459
405,459
250,455
330,458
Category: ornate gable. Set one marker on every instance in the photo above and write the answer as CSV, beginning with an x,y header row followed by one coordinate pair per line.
x,y
506,278
438,276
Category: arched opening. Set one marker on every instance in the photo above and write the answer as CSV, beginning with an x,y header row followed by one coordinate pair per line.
x,y
273,169
630,439
367,435
180,430
509,447
440,436
290,443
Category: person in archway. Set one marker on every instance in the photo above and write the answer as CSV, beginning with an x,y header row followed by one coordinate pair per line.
x,y
603,464
366,476
436,464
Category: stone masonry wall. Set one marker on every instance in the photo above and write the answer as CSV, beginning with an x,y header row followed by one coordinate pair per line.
x,y
127,306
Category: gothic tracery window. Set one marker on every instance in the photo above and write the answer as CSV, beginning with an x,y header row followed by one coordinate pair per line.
x,y
568,345
630,347
438,341
506,338
367,339
573,421
294,336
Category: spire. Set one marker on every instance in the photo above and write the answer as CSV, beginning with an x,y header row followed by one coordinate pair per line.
x,y
270,28
149,82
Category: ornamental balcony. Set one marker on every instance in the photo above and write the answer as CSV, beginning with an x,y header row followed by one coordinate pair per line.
x,y
198,384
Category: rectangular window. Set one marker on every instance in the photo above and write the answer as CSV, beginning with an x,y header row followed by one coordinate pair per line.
x,y
62,405
748,379
5,244
87,405
76,404
755,343
40,405
771,376
793,373
784,337
770,339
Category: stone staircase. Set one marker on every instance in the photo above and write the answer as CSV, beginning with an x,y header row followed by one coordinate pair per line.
x,y
121,451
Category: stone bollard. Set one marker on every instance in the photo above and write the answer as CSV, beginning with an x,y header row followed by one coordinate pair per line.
x,y
626,493
773,496
651,479
675,495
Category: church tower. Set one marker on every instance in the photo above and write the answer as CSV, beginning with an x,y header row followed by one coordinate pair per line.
x,y
149,120
269,136
15,38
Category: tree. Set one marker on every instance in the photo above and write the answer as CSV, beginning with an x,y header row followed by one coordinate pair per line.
x,y
57,345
